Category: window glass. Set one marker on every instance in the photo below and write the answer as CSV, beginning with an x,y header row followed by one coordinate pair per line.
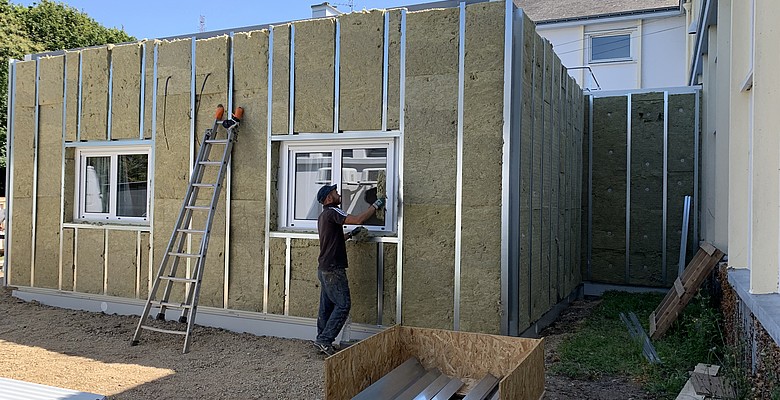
x,y
360,171
97,188
132,185
613,47
312,170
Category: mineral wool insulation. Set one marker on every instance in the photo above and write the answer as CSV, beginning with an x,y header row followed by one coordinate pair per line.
x,y
156,103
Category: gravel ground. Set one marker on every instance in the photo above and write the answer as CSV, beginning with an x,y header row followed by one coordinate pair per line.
x,y
91,352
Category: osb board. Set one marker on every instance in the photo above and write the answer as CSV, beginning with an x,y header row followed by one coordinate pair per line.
x,y
146,272
277,249
90,261
67,258
50,150
250,92
356,367
148,87
314,75
428,257
247,244
362,281
394,70
122,263
94,93
19,242
480,294
468,356
47,243
172,147
126,91
51,80
304,284
432,43
390,283
280,96
72,95
360,70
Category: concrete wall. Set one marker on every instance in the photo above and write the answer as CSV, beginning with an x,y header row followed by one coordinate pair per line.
x,y
658,51
172,88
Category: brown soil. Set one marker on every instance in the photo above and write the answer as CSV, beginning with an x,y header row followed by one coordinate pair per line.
x,y
91,352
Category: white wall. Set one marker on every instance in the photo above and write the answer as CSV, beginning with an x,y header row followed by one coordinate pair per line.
x,y
658,51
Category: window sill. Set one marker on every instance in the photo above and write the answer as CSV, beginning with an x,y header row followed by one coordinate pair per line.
x,y
375,237
613,62
116,226
765,307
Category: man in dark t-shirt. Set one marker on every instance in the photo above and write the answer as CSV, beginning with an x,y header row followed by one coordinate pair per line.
x,y
332,263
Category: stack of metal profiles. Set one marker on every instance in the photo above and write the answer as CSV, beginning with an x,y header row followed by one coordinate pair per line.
x,y
410,381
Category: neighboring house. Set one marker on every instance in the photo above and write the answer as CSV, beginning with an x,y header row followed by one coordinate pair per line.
x,y
628,44
735,60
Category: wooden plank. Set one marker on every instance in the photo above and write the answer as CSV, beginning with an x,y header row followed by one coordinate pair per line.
x,y
707,247
693,276
678,286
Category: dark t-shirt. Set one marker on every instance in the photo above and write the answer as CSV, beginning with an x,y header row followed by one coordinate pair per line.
x,y
333,251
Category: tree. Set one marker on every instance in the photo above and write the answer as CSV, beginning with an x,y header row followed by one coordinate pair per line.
x,y
44,26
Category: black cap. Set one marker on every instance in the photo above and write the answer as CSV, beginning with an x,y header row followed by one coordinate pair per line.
x,y
324,192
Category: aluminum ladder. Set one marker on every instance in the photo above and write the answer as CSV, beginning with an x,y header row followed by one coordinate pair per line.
x,y
176,252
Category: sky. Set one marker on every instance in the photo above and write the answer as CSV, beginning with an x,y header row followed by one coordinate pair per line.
x,y
148,19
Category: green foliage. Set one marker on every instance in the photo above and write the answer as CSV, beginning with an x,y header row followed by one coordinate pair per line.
x,y
45,26
604,347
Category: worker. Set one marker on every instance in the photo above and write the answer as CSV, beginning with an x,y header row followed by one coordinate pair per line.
x,y
332,265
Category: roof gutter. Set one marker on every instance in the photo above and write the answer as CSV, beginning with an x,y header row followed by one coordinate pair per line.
x,y
613,17
707,17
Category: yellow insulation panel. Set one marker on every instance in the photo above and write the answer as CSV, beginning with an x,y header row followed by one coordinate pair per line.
x,y
126,91
314,75
362,45
94,93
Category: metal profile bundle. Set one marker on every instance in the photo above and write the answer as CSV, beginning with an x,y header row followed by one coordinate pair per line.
x,y
183,231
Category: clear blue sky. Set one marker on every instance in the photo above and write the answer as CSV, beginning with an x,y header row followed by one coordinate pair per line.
x,y
160,18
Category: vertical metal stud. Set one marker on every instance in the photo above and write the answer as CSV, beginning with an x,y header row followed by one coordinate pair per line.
x,y
105,262
153,154
459,165
138,265
229,179
665,186
509,263
590,185
110,93
8,172
36,140
142,96
541,167
81,95
75,258
337,78
287,261
696,132
291,109
400,201
380,282
191,164
62,167
385,67
628,191
269,115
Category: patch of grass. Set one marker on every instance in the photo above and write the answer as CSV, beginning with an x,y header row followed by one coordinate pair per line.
x,y
603,346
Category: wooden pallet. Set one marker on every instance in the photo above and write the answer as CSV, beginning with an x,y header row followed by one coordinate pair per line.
x,y
684,289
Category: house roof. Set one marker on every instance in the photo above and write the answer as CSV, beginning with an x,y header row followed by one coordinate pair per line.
x,y
547,11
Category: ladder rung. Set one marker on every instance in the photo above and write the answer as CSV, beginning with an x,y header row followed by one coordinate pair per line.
x,y
191,231
190,255
217,141
204,208
170,305
210,162
151,328
211,185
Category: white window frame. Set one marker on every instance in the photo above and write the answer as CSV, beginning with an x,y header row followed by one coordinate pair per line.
x,y
622,32
80,182
287,220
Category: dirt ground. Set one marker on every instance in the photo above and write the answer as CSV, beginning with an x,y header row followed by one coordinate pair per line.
x,y
91,352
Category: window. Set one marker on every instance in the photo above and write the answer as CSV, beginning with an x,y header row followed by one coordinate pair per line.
x,y
612,47
112,184
356,166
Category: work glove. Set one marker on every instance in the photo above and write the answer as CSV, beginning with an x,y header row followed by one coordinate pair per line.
x,y
359,234
379,204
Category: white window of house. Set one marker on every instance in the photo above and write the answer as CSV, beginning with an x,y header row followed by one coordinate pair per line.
x,y
353,165
112,184
610,47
